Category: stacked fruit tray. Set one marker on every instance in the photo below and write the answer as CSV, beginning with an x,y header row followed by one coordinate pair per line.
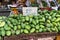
x,y
45,21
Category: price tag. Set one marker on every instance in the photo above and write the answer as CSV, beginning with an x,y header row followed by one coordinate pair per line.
x,y
30,11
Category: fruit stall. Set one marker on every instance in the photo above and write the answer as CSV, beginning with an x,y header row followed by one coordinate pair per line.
x,y
30,23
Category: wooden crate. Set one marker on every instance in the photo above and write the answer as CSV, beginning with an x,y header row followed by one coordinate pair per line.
x,y
34,36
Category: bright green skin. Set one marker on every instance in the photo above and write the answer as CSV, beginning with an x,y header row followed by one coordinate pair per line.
x,y
8,33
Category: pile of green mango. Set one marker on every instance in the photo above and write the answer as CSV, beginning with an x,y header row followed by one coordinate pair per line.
x,y
45,21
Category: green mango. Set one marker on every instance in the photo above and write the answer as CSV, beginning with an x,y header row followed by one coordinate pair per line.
x,y
37,26
42,26
8,33
22,30
17,32
58,19
2,32
40,30
15,28
19,27
37,31
13,32
27,27
6,27
2,23
27,18
26,31
32,30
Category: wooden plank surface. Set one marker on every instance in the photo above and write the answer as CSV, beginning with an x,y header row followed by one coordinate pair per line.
x,y
58,37
30,36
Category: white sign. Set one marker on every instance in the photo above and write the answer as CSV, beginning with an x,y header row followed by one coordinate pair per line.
x,y
30,10
55,8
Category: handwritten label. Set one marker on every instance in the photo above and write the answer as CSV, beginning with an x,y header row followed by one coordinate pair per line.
x,y
30,11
